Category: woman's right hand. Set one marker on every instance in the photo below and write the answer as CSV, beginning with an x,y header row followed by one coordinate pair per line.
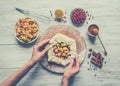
x,y
72,68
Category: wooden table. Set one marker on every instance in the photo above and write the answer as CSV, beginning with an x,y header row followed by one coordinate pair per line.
x,y
13,55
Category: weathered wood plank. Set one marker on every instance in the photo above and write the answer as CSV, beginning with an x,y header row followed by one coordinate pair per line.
x,y
106,18
16,53
110,70
13,55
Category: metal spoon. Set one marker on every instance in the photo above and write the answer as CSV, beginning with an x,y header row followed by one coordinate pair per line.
x,y
105,51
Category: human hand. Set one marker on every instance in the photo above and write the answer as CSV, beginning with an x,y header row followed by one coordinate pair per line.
x,y
72,68
37,53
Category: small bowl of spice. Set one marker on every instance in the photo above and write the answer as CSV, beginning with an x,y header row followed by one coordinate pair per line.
x,y
93,30
59,13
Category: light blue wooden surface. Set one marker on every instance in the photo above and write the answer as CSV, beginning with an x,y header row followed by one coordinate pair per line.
x,y
13,55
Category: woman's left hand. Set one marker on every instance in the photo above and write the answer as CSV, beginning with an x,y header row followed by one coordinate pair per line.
x,y
37,53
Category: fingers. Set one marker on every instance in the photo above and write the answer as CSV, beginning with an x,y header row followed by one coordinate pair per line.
x,y
45,50
43,43
71,63
77,60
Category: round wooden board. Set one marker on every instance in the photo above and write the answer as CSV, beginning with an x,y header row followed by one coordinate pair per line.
x,y
70,32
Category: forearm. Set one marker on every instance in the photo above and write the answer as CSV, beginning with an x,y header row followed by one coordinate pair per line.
x,y
18,75
64,81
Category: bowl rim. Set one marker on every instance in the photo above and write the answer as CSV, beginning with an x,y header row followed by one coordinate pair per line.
x,y
21,41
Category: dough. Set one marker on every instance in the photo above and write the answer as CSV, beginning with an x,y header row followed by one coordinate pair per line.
x,y
58,38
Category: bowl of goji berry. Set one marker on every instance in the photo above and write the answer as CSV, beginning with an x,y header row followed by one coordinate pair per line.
x,y
78,16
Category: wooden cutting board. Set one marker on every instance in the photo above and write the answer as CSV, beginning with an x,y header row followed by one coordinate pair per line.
x,y
68,31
